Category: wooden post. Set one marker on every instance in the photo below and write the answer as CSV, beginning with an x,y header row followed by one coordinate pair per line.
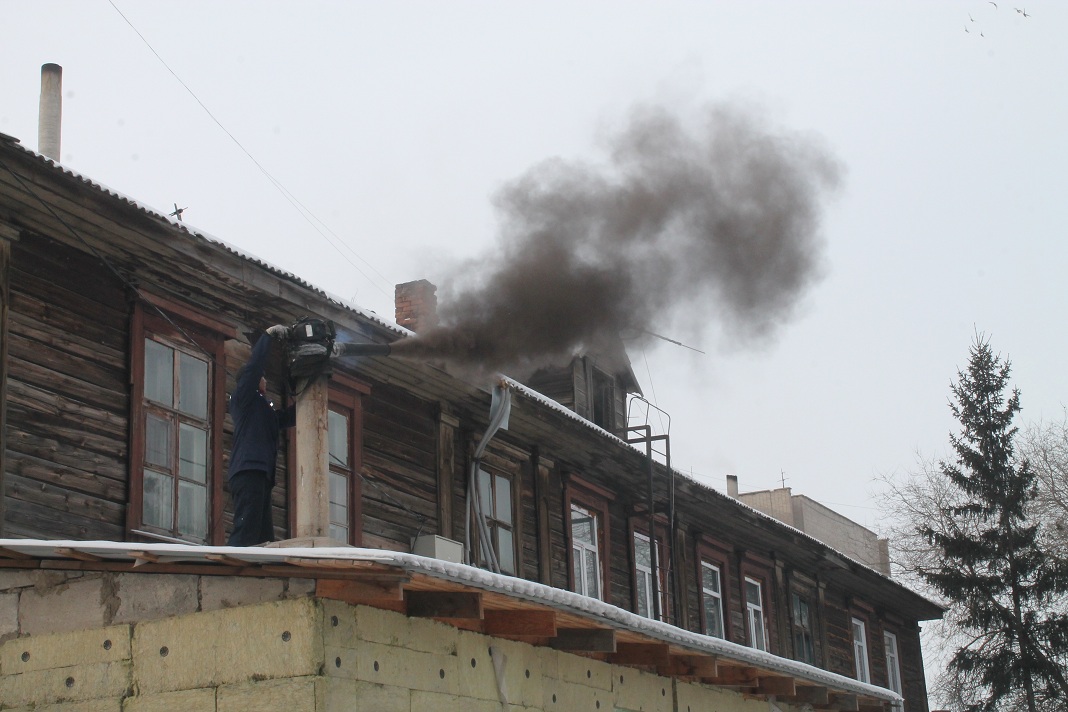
x,y
313,461
7,234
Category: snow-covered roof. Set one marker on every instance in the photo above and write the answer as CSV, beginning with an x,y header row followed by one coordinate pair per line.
x,y
328,559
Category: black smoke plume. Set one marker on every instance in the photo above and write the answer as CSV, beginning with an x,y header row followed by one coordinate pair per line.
x,y
719,224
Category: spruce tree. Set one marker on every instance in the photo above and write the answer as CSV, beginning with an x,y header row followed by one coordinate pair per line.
x,y
1008,594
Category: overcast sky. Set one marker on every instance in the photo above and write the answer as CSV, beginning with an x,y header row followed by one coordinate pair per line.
x,y
395,124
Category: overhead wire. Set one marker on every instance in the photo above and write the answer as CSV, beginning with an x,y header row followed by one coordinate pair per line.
x,y
297,205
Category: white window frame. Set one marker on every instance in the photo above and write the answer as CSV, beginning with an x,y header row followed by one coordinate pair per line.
x,y
893,666
860,650
583,551
755,616
644,575
715,595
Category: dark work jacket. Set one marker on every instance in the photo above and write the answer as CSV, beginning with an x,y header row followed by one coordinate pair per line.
x,y
256,423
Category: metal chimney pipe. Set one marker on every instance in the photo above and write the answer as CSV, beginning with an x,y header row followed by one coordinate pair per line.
x,y
50,119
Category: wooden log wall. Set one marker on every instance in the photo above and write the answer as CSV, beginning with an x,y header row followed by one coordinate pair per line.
x,y
67,393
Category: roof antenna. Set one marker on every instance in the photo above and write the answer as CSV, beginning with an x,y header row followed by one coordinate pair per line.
x,y
178,212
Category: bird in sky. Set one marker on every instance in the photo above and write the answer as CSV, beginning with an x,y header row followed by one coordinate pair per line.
x,y
178,212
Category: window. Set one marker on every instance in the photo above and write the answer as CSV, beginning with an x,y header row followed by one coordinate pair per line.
x,y
647,560
339,427
712,599
585,552
495,501
860,650
801,621
893,665
176,415
602,396
754,611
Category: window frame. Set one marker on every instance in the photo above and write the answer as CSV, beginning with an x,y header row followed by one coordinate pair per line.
x,y
860,646
715,554
749,608
493,524
893,672
639,527
175,328
596,500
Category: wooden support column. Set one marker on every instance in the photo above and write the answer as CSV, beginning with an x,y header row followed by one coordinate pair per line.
x,y
7,235
313,461
446,466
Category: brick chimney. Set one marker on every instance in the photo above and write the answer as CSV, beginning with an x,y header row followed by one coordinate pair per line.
x,y
416,305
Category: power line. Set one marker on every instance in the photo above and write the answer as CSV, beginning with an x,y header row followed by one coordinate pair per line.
x,y
302,209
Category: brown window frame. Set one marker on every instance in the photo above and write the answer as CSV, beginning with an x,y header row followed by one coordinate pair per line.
x,y
595,499
177,324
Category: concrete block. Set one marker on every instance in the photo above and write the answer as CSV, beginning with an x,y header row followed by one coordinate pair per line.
x,y
639,691
295,694
9,615
87,706
146,597
14,579
202,700
70,684
269,640
521,668
584,671
561,696
423,701
340,695
75,604
394,666
61,650
694,697
390,628
230,591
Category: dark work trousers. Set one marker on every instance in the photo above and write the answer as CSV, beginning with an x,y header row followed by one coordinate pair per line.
x,y
252,509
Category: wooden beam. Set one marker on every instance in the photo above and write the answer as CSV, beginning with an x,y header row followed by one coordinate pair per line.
x,y
776,686
655,654
519,624
227,560
844,703
143,557
356,592
812,695
12,554
75,554
589,640
702,666
444,604
734,677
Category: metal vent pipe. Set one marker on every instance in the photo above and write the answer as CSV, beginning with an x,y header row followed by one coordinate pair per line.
x,y
50,118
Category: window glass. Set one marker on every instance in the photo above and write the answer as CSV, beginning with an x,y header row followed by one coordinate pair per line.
x,y
893,666
505,551
644,566
159,373
158,499
192,509
485,493
158,441
193,383
585,552
802,623
754,604
338,428
712,599
503,509
860,649
193,453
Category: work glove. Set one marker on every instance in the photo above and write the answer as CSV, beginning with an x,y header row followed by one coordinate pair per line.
x,y
278,332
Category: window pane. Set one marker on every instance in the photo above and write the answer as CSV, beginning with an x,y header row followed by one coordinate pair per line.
x,y
752,593
193,453
505,551
577,569
582,527
192,510
710,578
713,616
643,595
339,439
158,441
158,509
339,533
504,500
641,553
592,576
485,496
159,373
192,385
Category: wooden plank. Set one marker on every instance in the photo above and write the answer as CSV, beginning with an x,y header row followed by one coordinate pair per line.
x,y
518,624
654,654
701,666
811,695
228,560
356,592
776,685
12,554
75,554
444,604
590,640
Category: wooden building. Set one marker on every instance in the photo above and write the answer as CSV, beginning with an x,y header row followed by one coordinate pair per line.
x,y
121,333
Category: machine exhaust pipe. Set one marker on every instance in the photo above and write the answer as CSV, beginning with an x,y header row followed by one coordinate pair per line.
x,y
312,345
349,349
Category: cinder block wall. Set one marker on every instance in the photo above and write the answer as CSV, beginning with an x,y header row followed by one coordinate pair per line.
x,y
309,655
